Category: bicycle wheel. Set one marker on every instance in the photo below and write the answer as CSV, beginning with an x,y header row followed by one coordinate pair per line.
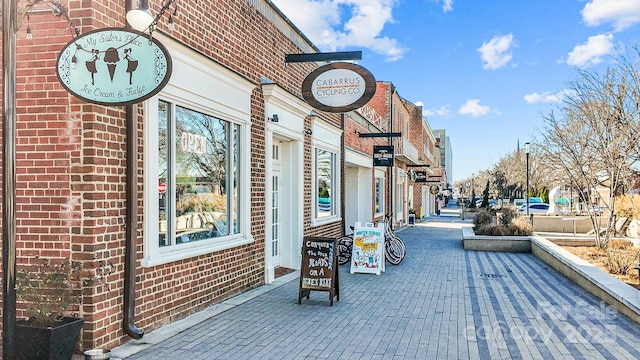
x,y
395,249
391,251
345,246
403,247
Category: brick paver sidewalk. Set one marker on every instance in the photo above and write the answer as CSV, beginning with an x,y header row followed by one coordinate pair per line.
x,y
441,302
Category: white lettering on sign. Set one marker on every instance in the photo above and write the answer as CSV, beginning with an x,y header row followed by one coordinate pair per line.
x,y
193,143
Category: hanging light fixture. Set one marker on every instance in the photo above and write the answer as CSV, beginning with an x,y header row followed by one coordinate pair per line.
x,y
140,19
171,25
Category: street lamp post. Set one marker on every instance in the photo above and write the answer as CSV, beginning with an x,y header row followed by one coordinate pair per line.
x,y
527,149
464,198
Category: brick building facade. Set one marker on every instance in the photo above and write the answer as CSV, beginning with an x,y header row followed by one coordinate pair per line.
x,y
212,223
229,71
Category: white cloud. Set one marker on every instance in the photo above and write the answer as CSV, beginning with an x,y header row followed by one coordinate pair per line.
x,y
472,107
496,53
443,110
321,22
447,5
545,97
549,97
591,52
621,13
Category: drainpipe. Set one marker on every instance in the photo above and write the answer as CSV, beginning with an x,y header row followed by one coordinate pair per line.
x,y
343,177
9,26
392,185
129,300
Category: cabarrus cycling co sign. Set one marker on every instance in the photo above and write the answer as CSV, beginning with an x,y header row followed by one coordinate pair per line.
x,y
338,87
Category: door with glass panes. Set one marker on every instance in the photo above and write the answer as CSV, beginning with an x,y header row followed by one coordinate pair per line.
x,y
276,184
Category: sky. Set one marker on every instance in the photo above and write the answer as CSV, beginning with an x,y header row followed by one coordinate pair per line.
x,y
485,71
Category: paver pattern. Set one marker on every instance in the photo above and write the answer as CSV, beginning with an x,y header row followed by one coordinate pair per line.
x,y
441,302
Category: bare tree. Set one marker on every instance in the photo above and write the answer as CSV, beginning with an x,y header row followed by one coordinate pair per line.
x,y
594,138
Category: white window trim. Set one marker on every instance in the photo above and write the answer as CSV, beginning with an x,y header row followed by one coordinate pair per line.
x,y
326,137
206,96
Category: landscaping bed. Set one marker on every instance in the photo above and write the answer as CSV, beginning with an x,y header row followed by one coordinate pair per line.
x,y
618,260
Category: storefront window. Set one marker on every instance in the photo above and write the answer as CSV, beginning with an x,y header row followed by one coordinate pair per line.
x,y
325,176
379,196
199,159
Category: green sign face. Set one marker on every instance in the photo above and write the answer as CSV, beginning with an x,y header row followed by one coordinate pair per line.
x,y
114,66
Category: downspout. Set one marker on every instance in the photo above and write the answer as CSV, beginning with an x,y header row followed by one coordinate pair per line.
x,y
343,177
9,116
129,299
393,164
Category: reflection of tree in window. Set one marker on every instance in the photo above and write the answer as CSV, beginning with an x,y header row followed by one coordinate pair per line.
x,y
201,166
163,116
212,163
163,166
198,155
324,164
236,175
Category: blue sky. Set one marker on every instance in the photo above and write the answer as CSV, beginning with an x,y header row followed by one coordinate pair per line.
x,y
483,70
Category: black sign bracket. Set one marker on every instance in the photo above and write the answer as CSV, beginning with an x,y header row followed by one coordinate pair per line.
x,y
376,135
327,56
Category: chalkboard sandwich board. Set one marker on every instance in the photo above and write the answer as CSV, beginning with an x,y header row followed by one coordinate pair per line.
x,y
319,269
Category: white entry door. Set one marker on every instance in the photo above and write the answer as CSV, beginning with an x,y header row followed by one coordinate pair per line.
x,y
276,251
426,208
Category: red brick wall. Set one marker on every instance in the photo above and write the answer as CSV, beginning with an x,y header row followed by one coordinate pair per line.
x,y
365,145
72,157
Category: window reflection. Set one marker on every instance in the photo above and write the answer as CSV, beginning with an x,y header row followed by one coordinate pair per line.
x,y
324,171
203,165
379,196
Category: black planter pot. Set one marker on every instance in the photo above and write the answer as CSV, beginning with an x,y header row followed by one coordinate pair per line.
x,y
47,343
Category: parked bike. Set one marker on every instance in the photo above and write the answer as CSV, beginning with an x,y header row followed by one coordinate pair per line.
x,y
394,247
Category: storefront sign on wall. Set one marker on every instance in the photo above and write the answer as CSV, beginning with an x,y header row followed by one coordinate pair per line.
x,y
114,66
382,155
338,87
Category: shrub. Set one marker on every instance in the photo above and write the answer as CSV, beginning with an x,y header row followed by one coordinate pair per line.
x,y
628,206
521,226
518,225
616,244
49,289
483,217
619,262
507,215
493,230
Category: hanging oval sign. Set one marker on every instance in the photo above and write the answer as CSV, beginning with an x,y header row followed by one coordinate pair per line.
x,y
338,87
114,66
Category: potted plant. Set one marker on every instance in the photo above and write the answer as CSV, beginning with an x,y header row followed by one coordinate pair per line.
x,y
49,292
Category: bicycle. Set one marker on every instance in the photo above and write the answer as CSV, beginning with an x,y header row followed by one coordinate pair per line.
x,y
345,248
394,247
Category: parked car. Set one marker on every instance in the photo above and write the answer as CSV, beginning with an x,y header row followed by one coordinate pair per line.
x,y
598,209
536,208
